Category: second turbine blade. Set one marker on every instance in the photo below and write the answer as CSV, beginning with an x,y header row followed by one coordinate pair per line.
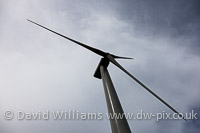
x,y
111,59
97,51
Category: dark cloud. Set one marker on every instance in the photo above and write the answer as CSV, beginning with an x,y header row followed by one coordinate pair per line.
x,y
176,17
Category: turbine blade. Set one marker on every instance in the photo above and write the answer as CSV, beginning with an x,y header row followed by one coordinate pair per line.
x,y
97,51
120,57
111,59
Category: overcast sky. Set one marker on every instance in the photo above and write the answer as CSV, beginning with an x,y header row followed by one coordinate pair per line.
x,y
40,71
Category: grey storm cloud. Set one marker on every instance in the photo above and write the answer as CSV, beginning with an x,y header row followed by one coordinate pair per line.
x,y
181,16
177,19
40,71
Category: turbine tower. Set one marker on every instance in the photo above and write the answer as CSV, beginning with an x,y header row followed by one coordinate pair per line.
x,y
112,100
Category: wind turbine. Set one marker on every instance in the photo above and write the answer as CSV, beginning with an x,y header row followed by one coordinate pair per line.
x,y
112,100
